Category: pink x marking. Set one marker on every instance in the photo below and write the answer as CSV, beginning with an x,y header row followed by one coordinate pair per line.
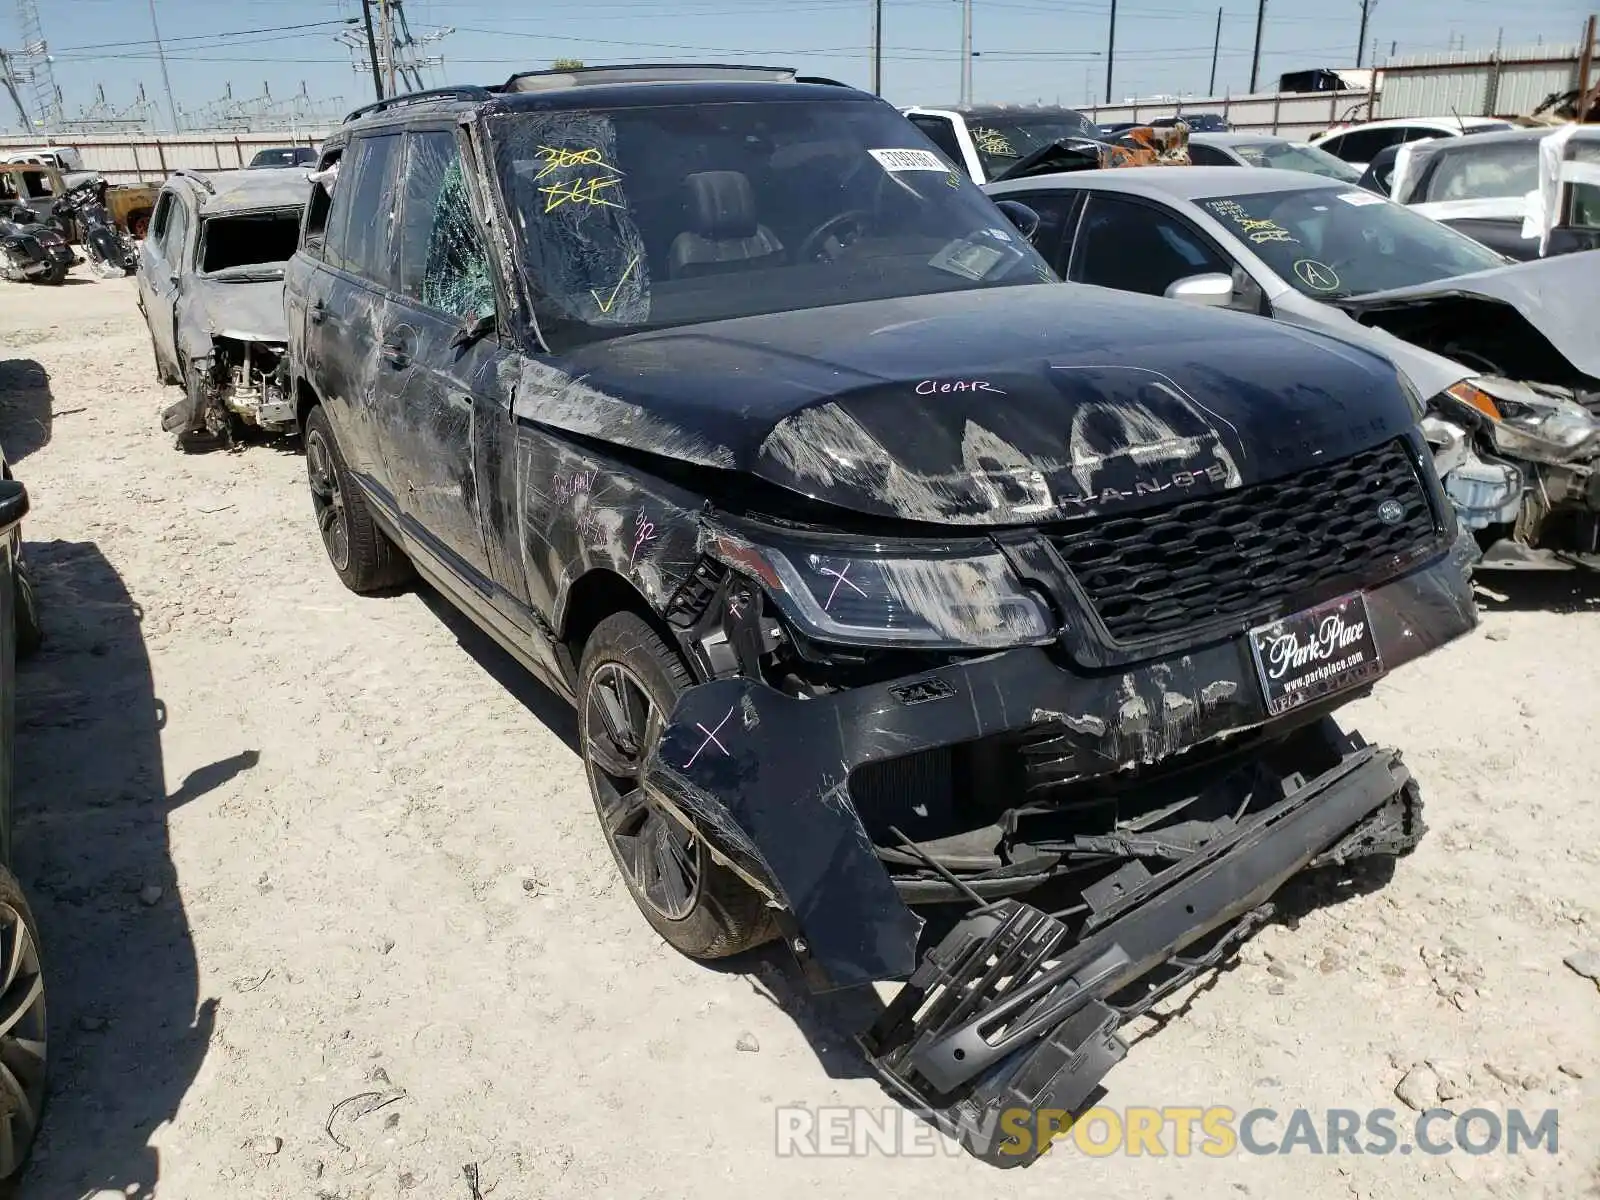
x,y
711,737
839,577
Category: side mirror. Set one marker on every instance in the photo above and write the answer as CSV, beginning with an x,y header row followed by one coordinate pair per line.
x,y
1020,215
1213,289
473,330
13,503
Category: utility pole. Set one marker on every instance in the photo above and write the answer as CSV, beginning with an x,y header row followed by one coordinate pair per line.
x,y
1111,48
1255,59
386,27
877,47
1361,38
372,48
166,80
966,52
1216,45
1585,64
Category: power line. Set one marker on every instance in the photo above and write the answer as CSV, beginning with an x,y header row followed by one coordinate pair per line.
x,y
200,37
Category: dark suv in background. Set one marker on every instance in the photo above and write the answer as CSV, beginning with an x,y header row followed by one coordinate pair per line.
x,y
892,580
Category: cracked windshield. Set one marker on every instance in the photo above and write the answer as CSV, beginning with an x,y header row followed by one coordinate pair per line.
x,y
1339,242
1003,139
644,218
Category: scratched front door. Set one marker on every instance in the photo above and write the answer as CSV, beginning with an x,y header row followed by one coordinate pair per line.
x,y
442,387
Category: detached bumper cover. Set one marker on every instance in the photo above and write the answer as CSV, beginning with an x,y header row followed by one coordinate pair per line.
x,y
1011,1014
766,776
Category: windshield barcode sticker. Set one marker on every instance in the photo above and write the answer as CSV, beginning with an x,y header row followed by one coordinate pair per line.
x,y
909,160
1360,198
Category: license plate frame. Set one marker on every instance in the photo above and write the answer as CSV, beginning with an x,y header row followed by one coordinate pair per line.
x,y
1302,658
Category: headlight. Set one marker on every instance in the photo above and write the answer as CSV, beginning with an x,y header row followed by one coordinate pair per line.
x,y
897,594
1540,423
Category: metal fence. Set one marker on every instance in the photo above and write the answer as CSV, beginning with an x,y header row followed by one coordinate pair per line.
x,y
135,157
1468,84
1294,114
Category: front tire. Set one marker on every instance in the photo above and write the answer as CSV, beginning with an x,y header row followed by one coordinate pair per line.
x,y
363,556
627,684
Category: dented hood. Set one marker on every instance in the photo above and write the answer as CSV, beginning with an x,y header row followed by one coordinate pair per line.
x,y
1553,297
1001,406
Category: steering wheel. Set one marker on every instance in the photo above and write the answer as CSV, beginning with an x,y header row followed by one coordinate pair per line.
x,y
825,243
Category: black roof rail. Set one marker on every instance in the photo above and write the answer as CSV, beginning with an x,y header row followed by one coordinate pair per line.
x,y
190,173
466,91
822,79
552,80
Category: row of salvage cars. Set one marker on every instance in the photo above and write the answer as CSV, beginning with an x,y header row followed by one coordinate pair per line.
x,y
955,626
1500,347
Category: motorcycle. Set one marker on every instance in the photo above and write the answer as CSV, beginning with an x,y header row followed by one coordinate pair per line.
x,y
31,252
111,252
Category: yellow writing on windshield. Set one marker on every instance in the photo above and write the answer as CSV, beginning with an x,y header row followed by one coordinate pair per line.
x,y
1255,229
556,159
583,192
992,141
605,305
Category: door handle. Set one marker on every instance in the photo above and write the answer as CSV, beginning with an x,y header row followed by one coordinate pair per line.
x,y
318,313
396,355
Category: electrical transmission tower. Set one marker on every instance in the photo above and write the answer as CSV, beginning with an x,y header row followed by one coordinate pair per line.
x,y
29,68
104,117
387,48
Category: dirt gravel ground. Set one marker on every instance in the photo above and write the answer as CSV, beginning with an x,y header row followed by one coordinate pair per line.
x,y
289,847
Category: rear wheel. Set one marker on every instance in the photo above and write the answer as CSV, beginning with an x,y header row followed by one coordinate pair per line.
x,y
30,631
55,275
363,556
628,682
23,1029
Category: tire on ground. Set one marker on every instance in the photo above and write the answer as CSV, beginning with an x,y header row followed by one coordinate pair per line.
x,y
375,562
729,916
30,630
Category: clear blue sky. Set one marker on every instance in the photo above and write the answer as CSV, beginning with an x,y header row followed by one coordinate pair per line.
x,y
1030,50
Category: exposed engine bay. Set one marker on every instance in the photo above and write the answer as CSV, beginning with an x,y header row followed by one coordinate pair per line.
x,y
1517,444
244,380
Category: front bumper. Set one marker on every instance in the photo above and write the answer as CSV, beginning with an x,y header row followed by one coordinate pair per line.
x,y
766,778
1012,1016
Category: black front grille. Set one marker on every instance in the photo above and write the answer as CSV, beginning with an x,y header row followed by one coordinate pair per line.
x,y
1167,570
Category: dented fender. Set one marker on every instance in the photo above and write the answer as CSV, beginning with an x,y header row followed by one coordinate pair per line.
x,y
765,777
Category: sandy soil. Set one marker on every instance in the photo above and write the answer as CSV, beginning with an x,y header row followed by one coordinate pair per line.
x,y
288,846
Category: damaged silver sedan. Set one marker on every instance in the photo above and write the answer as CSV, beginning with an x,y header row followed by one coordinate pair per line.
x,y
211,290
1502,353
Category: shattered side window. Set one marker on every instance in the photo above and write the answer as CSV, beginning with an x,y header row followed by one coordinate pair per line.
x,y
443,260
360,239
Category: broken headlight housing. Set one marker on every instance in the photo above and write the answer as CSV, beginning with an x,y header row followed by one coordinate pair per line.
x,y
949,596
1526,421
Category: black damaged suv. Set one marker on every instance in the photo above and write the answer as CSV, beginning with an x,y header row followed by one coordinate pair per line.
x,y
901,590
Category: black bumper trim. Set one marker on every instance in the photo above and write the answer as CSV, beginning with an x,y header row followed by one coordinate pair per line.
x,y
1014,1013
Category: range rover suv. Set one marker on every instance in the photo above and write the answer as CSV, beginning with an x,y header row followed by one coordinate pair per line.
x,y
955,625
